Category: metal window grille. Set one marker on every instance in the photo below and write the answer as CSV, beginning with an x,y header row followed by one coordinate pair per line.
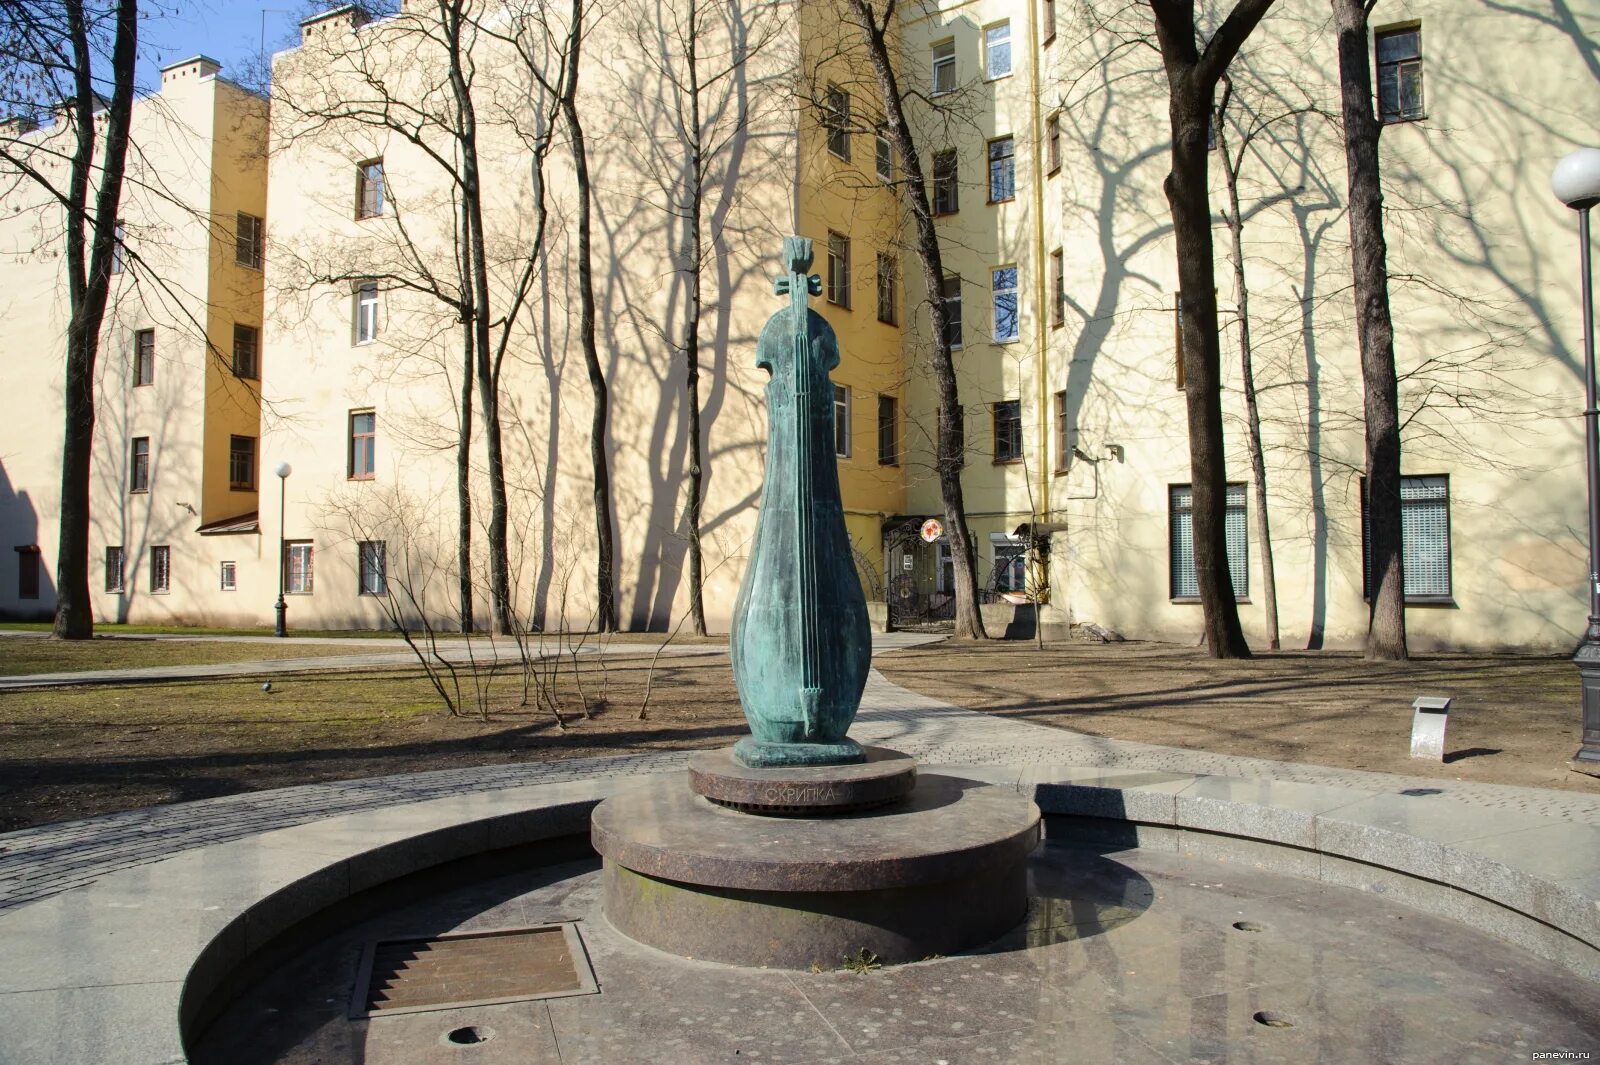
x,y
1184,581
372,557
997,50
1004,282
114,569
836,117
144,357
944,67
242,462
230,577
841,421
246,351
946,183
297,567
888,431
952,310
1424,539
363,445
888,290
1008,431
1002,170
369,189
1400,74
161,569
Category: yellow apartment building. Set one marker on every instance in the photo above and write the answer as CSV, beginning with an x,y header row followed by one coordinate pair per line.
x,y
176,461
1045,138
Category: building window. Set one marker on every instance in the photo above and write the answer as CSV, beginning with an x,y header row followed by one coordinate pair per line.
x,y
952,311
363,445
1400,74
139,467
28,572
119,247
1010,562
366,312
247,241
944,67
1180,510
884,154
888,290
1052,143
997,50
230,577
369,189
297,567
160,569
246,351
958,438
1004,283
1424,540
839,269
946,199
1058,288
1008,431
841,421
1002,170
836,117
888,431
144,357
1048,17
372,574
1063,432
114,569
242,463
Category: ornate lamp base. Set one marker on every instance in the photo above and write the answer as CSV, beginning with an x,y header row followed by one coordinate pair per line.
x,y
754,754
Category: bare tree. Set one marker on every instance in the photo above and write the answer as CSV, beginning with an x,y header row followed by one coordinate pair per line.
x,y
1192,76
1386,619
67,54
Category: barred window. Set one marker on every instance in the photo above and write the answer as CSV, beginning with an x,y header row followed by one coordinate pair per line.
x,y
1185,583
160,569
115,569
1424,539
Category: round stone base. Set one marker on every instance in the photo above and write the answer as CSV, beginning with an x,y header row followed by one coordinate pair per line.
x,y
803,791
940,872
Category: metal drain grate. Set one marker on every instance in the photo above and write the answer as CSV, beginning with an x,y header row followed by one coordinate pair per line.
x,y
471,969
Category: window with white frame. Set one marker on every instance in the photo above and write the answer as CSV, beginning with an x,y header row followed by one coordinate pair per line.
x,y
1180,511
1002,170
839,269
1003,281
944,67
119,247
997,50
298,561
366,312
884,154
836,117
373,576
115,569
230,577
139,465
841,421
1399,74
144,357
1010,562
1424,539
160,569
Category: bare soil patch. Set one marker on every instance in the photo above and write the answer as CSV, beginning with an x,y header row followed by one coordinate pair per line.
x,y
69,753
1515,718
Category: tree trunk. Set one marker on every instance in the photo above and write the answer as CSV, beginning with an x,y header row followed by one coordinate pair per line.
x,y
89,287
605,581
464,485
691,339
951,437
1386,620
1258,462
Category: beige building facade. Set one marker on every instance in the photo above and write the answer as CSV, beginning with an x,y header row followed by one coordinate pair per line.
x,y
1044,136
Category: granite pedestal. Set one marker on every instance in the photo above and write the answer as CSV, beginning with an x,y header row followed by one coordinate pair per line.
x,y
938,871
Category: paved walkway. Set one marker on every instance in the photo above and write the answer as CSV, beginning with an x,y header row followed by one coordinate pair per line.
x,y
37,863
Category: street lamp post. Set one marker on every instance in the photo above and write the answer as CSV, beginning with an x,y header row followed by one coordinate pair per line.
x,y
281,629
1576,183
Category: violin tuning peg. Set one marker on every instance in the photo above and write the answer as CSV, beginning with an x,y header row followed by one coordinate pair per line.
x,y
780,286
814,285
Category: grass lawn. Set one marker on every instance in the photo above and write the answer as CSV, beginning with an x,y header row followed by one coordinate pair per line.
x,y
68,753
22,656
1515,719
